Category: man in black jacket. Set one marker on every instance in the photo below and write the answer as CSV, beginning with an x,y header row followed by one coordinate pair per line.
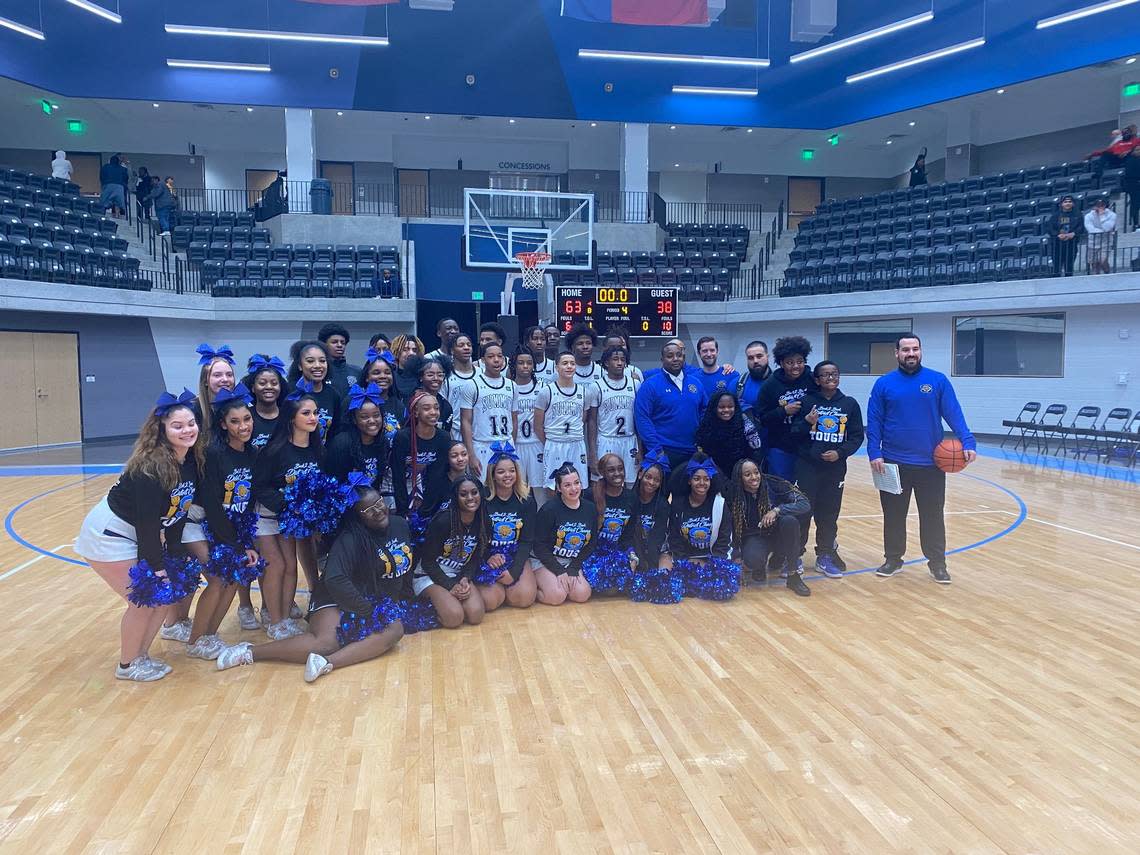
x,y
1132,187
342,375
780,401
1066,227
831,427
113,179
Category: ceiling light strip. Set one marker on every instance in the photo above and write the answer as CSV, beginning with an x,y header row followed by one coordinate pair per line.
x,y
878,32
713,90
691,59
22,29
277,35
1084,12
217,66
96,9
916,60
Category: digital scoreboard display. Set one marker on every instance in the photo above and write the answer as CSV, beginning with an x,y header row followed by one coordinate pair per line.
x,y
642,311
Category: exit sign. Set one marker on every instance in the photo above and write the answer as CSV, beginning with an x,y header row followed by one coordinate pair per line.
x,y
75,126
477,296
807,154
1131,89
45,106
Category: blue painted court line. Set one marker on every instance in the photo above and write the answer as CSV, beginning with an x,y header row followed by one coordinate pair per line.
x,y
61,469
8,527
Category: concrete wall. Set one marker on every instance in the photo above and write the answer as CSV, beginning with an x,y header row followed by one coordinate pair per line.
x,y
684,186
768,190
318,228
622,236
1056,147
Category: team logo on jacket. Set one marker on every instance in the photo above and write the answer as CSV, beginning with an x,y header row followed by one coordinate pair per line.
x,y
698,531
237,488
456,552
395,558
613,524
832,425
926,388
505,529
693,388
391,426
570,539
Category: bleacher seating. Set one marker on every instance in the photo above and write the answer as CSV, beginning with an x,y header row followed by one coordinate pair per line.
x,y
980,229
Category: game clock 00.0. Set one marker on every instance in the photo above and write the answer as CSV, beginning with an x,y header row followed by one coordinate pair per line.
x,y
642,311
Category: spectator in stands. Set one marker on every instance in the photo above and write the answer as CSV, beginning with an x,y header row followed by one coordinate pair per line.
x,y
1113,156
143,188
113,180
1132,187
780,402
341,375
1065,227
61,166
165,204
712,374
1100,223
918,171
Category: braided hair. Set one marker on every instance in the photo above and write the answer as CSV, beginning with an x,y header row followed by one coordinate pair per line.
x,y
744,507
481,522
413,436
640,542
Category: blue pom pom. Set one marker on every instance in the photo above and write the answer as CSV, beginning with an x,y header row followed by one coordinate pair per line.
x,y
314,502
417,524
660,586
354,627
230,564
419,616
711,578
608,571
488,575
148,589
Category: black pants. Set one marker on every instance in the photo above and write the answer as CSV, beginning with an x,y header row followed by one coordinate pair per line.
x,y
1132,188
1064,254
782,540
822,483
928,483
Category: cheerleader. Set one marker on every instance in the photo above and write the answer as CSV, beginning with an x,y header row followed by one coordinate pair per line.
x,y
766,513
460,380
380,368
265,379
452,552
561,410
311,365
405,348
534,345
295,450
133,537
610,425
486,409
700,534
362,446
231,520
430,376
655,580
565,530
528,447
217,373
354,612
725,435
609,569
419,463
506,575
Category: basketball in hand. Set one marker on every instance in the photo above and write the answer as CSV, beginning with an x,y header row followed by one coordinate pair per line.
x,y
949,456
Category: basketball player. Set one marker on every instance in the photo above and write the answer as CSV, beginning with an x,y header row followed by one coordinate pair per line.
x,y
561,410
618,337
487,409
534,343
527,444
580,341
904,425
458,382
611,428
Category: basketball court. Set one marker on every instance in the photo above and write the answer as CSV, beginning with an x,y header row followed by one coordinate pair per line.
x,y
996,715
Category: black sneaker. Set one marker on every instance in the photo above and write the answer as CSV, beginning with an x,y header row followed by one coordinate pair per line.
x,y
796,585
889,568
759,577
940,575
838,561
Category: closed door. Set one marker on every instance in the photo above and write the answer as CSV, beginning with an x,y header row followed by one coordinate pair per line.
x,y
42,406
804,195
343,179
413,193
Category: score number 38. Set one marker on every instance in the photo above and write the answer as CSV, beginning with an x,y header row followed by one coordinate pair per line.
x,y
664,307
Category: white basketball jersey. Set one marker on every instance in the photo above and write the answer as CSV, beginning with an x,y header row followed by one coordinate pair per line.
x,y
491,403
455,388
565,411
525,397
545,372
585,374
615,406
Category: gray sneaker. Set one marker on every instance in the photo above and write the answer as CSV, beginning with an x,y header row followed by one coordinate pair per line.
x,y
159,664
247,619
176,631
316,666
140,670
206,647
237,654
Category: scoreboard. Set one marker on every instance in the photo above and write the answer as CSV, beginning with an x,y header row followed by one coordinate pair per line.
x,y
642,311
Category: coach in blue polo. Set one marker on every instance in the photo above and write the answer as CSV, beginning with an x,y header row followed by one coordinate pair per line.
x,y
668,407
904,425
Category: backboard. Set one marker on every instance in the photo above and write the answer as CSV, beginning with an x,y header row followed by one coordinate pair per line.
x,y
497,224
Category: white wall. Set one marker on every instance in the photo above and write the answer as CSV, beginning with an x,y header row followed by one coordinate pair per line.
x,y
225,170
682,186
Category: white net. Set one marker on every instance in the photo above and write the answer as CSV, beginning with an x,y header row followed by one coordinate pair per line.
x,y
533,266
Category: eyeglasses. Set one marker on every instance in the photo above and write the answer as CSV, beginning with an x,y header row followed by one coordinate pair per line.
x,y
829,375
377,508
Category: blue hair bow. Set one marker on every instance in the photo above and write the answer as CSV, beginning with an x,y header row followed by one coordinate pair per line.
x,y
239,393
656,457
167,402
554,472
303,387
208,354
259,362
384,355
696,466
502,451
358,480
358,397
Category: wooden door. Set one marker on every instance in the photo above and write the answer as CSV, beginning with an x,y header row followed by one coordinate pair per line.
x,y
56,359
413,192
18,423
804,194
343,181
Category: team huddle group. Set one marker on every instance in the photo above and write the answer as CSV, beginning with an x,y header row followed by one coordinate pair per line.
x,y
425,489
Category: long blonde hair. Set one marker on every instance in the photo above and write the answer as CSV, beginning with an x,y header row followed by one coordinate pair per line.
x,y
398,345
204,403
153,456
521,489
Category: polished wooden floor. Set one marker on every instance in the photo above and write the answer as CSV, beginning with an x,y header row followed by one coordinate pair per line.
x,y
1000,714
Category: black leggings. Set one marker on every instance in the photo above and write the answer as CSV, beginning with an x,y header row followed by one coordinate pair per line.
x,y
782,540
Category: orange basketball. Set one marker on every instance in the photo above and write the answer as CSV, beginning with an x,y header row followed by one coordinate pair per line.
x,y
949,456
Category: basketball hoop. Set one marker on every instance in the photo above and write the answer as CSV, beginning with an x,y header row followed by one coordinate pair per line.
x,y
533,266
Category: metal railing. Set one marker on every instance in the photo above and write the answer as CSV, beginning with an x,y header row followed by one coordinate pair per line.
x,y
750,214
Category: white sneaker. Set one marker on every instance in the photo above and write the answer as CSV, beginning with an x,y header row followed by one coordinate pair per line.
x,y
140,670
281,631
316,666
206,647
265,620
237,654
301,626
295,612
247,619
158,664
176,631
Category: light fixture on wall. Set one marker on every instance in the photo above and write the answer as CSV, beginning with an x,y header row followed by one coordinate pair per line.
x,y
155,105
1083,12
690,59
22,29
96,9
340,112
876,33
217,66
911,124
714,90
249,109
917,60
1000,91
277,35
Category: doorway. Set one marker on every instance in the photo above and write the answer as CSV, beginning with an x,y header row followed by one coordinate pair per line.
x,y
85,168
804,196
257,181
413,192
43,391
343,179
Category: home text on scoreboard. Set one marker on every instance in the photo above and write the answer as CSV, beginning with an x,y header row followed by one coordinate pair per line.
x,y
641,311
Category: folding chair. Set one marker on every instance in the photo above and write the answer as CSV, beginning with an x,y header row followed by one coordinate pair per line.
x,y
1031,409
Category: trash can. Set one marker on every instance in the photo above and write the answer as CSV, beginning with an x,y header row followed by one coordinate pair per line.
x,y
321,195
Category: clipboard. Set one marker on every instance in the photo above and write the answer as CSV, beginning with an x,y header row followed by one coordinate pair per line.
x,y
889,481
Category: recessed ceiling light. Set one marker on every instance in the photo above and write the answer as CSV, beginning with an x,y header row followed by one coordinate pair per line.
x,y
512,121
911,124
427,118
672,127
249,109
749,130
1130,60
340,112
677,165
593,124
1001,92
889,142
